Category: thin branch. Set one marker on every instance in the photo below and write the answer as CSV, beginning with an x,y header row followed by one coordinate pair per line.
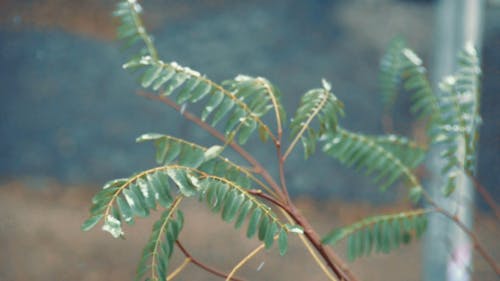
x,y
179,269
259,169
312,252
332,260
477,245
245,260
281,164
475,240
202,265
484,193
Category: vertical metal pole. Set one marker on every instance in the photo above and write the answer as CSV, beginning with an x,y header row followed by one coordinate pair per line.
x,y
447,250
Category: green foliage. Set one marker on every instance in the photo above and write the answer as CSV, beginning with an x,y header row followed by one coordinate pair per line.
x,y
453,114
318,104
459,105
390,74
382,233
387,159
245,196
160,246
242,101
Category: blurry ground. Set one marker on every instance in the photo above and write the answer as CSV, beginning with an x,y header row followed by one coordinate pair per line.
x,y
40,240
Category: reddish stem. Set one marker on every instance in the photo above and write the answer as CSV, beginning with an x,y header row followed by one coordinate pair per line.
x,y
202,265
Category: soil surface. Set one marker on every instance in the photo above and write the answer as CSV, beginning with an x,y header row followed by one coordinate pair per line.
x,y
40,238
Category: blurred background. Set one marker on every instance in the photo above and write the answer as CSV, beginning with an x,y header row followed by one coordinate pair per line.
x,y
69,117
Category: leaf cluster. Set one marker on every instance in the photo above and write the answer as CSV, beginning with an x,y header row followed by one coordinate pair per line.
x,y
379,233
452,113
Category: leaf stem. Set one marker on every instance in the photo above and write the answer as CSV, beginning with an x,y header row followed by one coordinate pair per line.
x,y
202,265
475,240
179,269
484,193
245,260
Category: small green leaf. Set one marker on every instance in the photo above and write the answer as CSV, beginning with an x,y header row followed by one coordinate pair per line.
x,y
166,75
113,226
191,156
351,248
254,220
246,130
263,226
229,200
150,75
214,101
174,83
180,178
225,106
283,242
149,137
125,210
245,209
269,236
213,152
160,183
173,149
186,92
91,222
200,91
295,229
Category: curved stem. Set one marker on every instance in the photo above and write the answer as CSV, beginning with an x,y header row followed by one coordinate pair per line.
x,y
332,260
179,269
311,251
484,193
202,265
244,260
477,244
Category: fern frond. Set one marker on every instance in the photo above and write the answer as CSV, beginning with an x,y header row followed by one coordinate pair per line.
x,y
318,104
415,80
390,72
460,119
124,199
400,65
365,153
379,233
160,245
243,104
235,203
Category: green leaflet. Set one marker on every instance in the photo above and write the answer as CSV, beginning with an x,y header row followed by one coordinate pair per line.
x,y
91,222
254,222
182,179
283,242
380,233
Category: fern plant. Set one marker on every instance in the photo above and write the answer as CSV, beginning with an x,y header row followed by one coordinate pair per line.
x,y
233,111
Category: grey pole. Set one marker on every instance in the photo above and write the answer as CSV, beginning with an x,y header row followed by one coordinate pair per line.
x,y
447,250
